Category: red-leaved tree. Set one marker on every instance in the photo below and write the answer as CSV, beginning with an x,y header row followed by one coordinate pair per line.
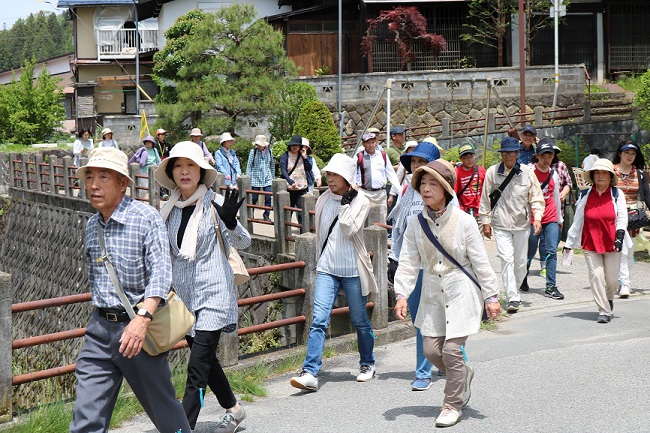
x,y
408,26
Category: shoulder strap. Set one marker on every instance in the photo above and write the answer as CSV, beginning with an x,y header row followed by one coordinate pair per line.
x,y
299,159
329,232
434,241
112,274
516,169
468,183
548,179
383,153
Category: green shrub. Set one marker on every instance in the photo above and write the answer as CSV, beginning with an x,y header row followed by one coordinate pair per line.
x,y
290,98
316,124
642,100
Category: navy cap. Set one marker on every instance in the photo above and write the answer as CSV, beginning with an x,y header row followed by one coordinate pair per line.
x,y
509,144
630,146
529,128
426,150
399,129
547,144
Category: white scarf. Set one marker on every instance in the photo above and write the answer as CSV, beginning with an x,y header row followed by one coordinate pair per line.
x,y
188,246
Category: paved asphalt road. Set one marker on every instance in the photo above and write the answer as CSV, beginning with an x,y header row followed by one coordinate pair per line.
x,y
549,368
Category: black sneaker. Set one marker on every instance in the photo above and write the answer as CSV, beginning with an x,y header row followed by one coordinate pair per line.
x,y
513,306
524,285
553,292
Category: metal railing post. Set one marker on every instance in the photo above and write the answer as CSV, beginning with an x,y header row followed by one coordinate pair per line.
x,y
6,296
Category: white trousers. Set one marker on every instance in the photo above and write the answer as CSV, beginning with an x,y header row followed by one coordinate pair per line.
x,y
513,252
627,256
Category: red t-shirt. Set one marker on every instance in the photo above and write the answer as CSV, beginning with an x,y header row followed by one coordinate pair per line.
x,y
471,197
599,228
550,212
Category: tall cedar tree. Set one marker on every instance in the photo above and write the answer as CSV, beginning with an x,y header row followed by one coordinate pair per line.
x,y
316,124
408,27
225,64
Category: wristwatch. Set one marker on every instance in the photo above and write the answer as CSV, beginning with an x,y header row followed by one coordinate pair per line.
x,y
144,313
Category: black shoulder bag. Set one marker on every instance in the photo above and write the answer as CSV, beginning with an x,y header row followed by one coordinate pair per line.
x,y
496,194
329,232
460,194
548,179
436,243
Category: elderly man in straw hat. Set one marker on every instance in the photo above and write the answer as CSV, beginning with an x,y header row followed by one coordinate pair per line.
x,y
261,169
341,212
133,237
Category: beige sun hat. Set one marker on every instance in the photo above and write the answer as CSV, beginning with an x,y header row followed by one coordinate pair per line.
x,y
411,144
226,137
189,150
603,164
342,165
106,131
261,140
109,158
196,132
442,170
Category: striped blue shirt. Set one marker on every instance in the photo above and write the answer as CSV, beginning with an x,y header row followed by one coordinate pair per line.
x,y
206,284
260,167
137,245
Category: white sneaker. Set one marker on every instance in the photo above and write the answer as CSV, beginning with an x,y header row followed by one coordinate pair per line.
x,y
306,381
467,391
624,291
366,373
448,417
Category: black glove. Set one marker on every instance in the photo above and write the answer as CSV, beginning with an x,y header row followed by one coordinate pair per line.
x,y
618,243
228,211
392,268
349,196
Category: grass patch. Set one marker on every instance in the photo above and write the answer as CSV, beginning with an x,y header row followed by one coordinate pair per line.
x,y
630,83
248,382
595,88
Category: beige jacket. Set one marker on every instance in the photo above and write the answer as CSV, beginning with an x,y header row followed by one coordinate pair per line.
x,y
451,304
352,218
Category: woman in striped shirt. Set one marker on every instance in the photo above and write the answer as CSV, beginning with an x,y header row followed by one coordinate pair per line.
x,y
201,275
628,167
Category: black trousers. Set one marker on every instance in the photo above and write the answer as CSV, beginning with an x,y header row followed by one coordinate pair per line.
x,y
204,370
294,197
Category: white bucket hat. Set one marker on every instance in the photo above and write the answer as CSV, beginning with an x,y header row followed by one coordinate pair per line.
x,y
342,165
196,132
225,137
189,150
109,158
106,131
261,140
603,164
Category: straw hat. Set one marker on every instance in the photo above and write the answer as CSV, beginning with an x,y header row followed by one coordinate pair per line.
x,y
442,170
106,131
342,165
189,150
109,158
196,132
603,164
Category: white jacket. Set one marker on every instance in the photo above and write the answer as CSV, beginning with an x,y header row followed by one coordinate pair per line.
x,y
450,305
574,236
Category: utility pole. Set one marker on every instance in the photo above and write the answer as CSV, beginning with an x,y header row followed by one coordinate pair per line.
x,y
522,64
137,59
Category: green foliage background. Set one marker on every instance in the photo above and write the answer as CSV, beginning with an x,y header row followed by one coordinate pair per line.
x,y
39,37
30,111
289,98
642,100
316,124
217,69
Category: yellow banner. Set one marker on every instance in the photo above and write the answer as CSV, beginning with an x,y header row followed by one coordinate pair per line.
x,y
144,127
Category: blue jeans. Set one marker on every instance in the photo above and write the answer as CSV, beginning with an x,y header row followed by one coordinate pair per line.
x,y
327,287
551,235
267,198
422,365
542,245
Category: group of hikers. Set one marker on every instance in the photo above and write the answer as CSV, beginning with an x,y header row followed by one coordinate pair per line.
x,y
439,264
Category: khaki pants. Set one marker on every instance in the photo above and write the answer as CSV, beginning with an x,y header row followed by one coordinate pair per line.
x,y
603,278
446,356
379,198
